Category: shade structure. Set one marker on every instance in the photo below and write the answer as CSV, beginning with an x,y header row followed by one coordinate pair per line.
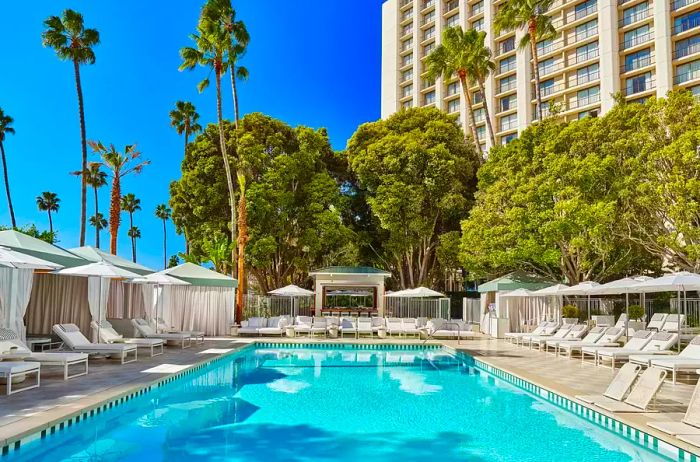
x,y
29,245
200,276
95,255
13,259
291,291
554,290
584,288
620,286
418,292
518,293
158,280
673,282
515,280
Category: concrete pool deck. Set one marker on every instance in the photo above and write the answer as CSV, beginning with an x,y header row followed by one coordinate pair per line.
x,y
56,401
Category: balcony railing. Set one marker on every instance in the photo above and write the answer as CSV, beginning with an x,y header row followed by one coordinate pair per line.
x,y
581,102
583,35
550,89
580,14
408,62
508,125
586,78
428,4
639,86
427,19
678,4
637,64
583,57
405,2
451,5
546,70
509,66
507,46
550,47
638,40
406,16
405,32
632,18
507,86
682,52
685,25
406,78
686,77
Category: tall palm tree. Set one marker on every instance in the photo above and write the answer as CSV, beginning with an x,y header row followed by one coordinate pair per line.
x,y
211,49
120,164
481,65
6,129
95,177
48,202
99,222
453,57
130,203
221,12
184,119
164,213
530,14
70,39
134,233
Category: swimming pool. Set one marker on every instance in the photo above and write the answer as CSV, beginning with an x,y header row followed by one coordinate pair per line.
x,y
335,403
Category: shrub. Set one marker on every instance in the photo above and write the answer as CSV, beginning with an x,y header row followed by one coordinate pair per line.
x,y
569,311
636,312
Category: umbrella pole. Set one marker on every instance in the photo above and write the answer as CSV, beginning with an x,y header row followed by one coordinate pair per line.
x,y
678,310
685,316
627,314
589,309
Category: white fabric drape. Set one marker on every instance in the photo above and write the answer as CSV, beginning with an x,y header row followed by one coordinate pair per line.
x,y
199,308
149,300
15,290
98,292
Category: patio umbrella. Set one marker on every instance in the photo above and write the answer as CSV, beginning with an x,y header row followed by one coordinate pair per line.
x,y
622,286
158,280
584,288
100,270
554,291
292,291
418,292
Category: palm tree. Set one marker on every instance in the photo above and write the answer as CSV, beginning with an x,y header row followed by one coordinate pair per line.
x,y
70,39
6,129
134,233
184,119
481,65
222,13
164,213
99,222
530,14
212,47
48,202
130,203
95,177
453,56
120,165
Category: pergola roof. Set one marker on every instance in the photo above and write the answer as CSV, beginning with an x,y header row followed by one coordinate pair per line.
x,y
200,276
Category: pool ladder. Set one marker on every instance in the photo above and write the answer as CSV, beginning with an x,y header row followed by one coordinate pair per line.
x,y
459,333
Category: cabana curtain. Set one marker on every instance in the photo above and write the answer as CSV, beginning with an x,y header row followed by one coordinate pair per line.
x,y
56,299
15,290
200,308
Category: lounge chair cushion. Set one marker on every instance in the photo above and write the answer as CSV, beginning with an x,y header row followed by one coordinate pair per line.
x,y
257,322
57,357
15,367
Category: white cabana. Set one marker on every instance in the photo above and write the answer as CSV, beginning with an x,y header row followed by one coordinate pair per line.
x,y
153,284
418,302
293,292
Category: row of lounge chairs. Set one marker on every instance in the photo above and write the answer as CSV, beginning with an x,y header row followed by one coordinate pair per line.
x,y
26,363
356,326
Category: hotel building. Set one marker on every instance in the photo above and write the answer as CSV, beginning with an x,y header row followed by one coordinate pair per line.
x,y
639,48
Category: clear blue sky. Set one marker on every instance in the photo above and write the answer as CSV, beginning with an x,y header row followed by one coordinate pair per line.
x,y
312,62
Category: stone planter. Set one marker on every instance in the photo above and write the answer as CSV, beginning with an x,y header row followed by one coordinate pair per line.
x,y
333,332
569,320
381,332
290,332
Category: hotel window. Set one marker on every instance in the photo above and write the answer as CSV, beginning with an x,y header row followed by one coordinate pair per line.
x,y
478,7
586,52
481,132
428,3
587,74
584,9
407,91
452,21
687,47
428,48
638,59
508,138
407,75
408,14
636,36
429,98
453,88
509,122
508,102
429,33
478,97
695,90
506,64
547,66
507,83
407,104
406,60
686,22
429,17
544,47
638,83
453,106
584,114
687,72
451,5
479,114
635,13
588,96
478,24
407,44
407,29
547,87
586,30
508,45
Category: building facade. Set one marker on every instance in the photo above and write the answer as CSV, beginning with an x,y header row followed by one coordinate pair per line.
x,y
638,48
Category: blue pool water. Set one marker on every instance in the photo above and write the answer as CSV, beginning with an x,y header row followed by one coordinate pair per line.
x,y
338,404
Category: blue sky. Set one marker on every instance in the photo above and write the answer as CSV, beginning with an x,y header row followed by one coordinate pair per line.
x,y
312,62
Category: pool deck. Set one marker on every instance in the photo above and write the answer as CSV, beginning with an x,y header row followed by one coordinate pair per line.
x,y
56,401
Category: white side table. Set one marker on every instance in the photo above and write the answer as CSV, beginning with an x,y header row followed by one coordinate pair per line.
x,y
333,332
234,331
381,332
290,331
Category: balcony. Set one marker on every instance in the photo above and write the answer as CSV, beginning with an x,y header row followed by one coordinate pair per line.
x,y
586,78
686,77
639,86
509,66
636,17
583,35
549,90
678,4
507,46
582,102
546,70
638,40
507,86
682,52
686,25
451,5
580,14
546,49
405,3
508,125
637,64
427,20
428,3
583,57
406,32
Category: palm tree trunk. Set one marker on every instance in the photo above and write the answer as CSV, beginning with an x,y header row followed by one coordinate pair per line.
x,y
7,185
114,210
227,167
482,88
50,222
470,110
242,241
83,141
234,92
97,228
165,246
133,239
187,135
532,31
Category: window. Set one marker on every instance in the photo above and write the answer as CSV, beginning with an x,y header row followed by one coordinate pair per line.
x,y
406,60
686,72
584,114
584,9
586,30
508,45
478,97
429,17
428,48
587,96
429,97
452,21
686,22
507,83
407,90
451,5
478,8
480,132
478,24
429,33
509,122
547,66
428,3
508,138
586,52
587,74
408,14
635,13
407,44
479,114
638,59
407,104
506,64
453,106
407,29
508,102
453,88
636,36
638,84
547,87
407,75
545,46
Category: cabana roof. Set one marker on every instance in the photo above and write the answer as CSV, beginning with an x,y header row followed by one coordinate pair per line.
x,y
29,245
96,255
358,270
200,276
516,280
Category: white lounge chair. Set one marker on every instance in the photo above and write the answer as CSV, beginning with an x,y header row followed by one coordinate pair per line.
x,y
364,327
302,324
550,329
561,333
442,328
394,326
348,325
687,360
660,344
146,331
378,323
642,393
319,326
9,370
674,323
609,338
196,335
11,343
512,336
591,337
657,321
277,325
576,332
107,334
251,326
634,345
409,326
618,387
689,425
76,341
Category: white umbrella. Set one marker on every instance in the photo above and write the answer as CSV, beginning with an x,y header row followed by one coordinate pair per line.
x,y
584,288
159,279
13,259
622,286
101,270
518,293
292,291
556,289
418,292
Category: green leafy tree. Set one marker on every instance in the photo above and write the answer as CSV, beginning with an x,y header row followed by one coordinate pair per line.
x,y
73,42
532,16
185,120
49,202
131,204
418,174
163,212
6,129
